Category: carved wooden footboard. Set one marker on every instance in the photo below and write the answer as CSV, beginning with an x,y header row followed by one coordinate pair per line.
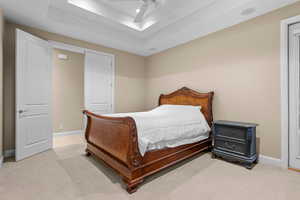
x,y
115,141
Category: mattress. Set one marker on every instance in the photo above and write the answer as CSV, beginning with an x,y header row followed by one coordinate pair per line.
x,y
168,126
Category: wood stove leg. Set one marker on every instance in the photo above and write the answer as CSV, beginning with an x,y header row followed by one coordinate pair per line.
x,y
132,186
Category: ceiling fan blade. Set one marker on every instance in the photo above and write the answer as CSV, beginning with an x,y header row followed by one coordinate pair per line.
x,y
140,15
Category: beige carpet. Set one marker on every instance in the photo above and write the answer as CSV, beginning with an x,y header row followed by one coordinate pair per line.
x,y
65,173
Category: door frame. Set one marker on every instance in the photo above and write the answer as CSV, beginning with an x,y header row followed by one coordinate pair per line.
x,y
77,49
284,76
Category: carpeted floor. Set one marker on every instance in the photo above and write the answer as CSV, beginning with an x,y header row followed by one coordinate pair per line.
x,y
65,173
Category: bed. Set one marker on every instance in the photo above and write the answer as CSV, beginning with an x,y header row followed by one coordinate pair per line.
x,y
115,140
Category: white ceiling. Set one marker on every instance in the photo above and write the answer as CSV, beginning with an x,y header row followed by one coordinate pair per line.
x,y
109,23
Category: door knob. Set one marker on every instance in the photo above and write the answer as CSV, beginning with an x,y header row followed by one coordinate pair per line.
x,y
22,111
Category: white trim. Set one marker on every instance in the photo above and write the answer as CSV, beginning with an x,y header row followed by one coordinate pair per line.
x,y
76,49
68,47
100,52
1,161
77,132
284,95
113,83
284,75
9,153
266,160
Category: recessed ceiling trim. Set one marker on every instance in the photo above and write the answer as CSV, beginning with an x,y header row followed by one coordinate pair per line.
x,y
104,11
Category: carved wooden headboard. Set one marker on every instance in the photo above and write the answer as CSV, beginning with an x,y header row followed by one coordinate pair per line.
x,y
186,96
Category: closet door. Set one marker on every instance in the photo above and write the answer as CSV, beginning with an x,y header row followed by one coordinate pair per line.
x,y
294,99
99,82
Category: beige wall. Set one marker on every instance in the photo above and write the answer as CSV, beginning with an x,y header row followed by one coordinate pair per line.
x,y
129,77
68,93
1,81
241,64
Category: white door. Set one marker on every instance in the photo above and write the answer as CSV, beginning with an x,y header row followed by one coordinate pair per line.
x,y
294,99
99,82
33,95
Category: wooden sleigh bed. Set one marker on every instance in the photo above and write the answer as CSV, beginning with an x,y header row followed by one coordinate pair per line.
x,y
114,140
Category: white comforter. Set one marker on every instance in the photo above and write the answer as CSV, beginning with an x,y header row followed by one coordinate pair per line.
x,y
168,126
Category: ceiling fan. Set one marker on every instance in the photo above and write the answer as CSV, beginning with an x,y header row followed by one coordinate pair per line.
x,y
142,10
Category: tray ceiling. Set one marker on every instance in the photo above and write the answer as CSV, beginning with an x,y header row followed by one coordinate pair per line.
x,y
166,24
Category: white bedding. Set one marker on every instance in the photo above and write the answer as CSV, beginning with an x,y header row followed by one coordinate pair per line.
x,y
168,126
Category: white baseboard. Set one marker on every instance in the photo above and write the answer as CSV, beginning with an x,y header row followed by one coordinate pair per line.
x,y
270,161
1,161
9,153
77,132
262,159
12,152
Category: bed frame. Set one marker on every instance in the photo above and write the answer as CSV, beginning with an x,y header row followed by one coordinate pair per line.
x,y
114,140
